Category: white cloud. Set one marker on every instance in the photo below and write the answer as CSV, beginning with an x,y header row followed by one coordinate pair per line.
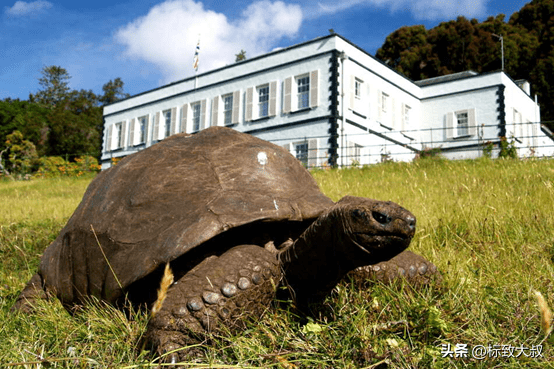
x,y
21,8
421,9
168,34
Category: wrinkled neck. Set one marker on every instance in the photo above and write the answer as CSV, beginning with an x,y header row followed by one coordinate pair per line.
x,y
316,262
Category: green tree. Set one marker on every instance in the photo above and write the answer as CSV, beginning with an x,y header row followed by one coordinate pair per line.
x,y
22,154
28,118
75,126
55,86
113,91
240,56
463,44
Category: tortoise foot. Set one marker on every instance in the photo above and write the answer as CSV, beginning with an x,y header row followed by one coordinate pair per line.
x,y
32,292
173,348
220,294
413,268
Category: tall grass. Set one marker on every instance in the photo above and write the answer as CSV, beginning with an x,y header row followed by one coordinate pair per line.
x,y
487,225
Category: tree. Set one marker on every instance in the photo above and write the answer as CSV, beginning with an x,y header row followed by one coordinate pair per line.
x,y
28,118
22,153
240,56
75,126
113,91
463,44
55,86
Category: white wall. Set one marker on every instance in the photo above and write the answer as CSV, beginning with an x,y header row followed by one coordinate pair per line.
x,y
368,129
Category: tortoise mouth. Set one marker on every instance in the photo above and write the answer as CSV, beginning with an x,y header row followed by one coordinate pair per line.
x,y
382,244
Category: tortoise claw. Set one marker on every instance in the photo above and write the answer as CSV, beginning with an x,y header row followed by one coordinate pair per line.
x,y
413,268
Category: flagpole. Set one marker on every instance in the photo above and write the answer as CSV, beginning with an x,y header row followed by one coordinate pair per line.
x,y
195,62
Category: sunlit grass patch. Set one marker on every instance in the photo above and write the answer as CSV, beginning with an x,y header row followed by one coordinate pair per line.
x,y
487,224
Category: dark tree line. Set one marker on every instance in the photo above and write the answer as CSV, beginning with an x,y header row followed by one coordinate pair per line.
x,y
59,121
463,44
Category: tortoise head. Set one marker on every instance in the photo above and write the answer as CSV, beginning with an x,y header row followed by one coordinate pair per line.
x,y
374,230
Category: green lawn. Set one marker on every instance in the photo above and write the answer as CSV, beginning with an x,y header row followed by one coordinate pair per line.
x,y
487,225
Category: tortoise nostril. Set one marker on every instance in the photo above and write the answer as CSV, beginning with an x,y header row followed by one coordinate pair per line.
x,y
411,222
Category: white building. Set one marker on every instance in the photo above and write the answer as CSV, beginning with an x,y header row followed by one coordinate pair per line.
x,y
331,103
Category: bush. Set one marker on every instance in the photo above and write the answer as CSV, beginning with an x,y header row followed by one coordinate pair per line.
x,y
54,166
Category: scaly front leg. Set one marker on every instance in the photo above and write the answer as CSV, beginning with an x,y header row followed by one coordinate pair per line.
x,y
221,291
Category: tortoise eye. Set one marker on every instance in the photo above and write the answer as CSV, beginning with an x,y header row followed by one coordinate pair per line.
x,y
381,218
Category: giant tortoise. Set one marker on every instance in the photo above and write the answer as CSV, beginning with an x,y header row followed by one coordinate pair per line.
x,y
234,216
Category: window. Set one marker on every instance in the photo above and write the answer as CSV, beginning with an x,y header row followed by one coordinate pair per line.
x,y
143,126
167,122
195,117
301,152
118,135
462,126
303,84
263,101
228,109
406,112
358,88
384,99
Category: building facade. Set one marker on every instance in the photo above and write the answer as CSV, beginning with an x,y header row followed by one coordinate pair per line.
x,y
330,103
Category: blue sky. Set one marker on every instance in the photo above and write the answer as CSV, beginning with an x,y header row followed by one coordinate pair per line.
x,y
150,43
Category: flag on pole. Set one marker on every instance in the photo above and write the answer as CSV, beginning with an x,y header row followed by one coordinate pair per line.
x,y
195,59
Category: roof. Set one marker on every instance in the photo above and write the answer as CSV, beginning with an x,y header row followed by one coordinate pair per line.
x,y
446,78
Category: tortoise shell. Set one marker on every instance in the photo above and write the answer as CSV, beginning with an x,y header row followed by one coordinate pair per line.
x,y
162,203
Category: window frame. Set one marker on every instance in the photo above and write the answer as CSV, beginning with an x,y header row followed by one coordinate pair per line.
x,y
167,122
227,110
263,105
462,129
358,83
118,135
143,127
302,154
196,119
407,113
302,97
384,99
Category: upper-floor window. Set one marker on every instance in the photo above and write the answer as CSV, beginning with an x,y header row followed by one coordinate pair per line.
x,y
263,101
384,102
462,123
118,135
228,109
303,84
167,123
195,116
358,88
406,112
143,127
